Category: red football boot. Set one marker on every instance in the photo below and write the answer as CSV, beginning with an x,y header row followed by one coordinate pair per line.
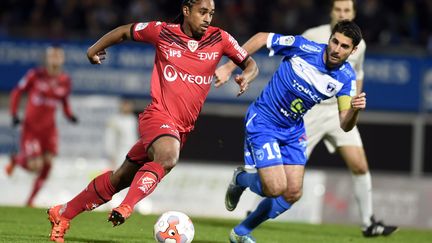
x,y
10,167
119,214
58,223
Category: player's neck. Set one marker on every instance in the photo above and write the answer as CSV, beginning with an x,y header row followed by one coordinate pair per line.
x,y
328,64
54,71
185,28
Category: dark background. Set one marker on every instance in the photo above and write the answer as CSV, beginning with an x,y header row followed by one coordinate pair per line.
x,y
219,139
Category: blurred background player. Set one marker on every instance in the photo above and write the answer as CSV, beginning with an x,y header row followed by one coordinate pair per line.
x,y
275,140
121,133
322,123
46,87
187,53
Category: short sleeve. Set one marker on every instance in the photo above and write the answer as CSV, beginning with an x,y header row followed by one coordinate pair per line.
x,y
350,85
283,45
232,49
146,32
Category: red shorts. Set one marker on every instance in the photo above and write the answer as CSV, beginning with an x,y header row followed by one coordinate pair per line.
x,y
153,125
36,143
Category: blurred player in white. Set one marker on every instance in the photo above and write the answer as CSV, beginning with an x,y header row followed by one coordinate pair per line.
x,y
121,133
322,123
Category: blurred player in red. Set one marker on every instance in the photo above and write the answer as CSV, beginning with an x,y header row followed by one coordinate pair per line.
x,y
187,53
46,87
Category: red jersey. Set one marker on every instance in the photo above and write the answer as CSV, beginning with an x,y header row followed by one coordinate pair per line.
x,y
44,93
184,67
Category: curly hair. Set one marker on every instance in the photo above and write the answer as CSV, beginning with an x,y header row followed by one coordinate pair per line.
x,y
189,3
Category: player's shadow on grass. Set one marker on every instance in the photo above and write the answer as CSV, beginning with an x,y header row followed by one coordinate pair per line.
x,y
87,240
308,230
213,223
208,241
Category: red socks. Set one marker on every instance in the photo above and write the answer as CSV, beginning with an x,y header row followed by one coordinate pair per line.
x,y
144,183
98,192
40,180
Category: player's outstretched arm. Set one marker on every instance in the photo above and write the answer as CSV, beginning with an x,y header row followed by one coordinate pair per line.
x,y
96,53
348,117
256,42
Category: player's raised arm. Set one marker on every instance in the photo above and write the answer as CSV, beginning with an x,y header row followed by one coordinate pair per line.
x,y
255,43
96,52
349,108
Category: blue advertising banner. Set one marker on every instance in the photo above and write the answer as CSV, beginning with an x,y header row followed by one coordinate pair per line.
x,y
392,83
427,85
125,72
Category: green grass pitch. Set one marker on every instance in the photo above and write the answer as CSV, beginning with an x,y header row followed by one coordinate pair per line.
x,y
31,225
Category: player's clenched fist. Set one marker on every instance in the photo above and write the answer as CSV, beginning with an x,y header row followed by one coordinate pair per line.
x,y
358,102
222,75
96,58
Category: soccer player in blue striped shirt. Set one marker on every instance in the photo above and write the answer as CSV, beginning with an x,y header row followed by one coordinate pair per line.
x,y
275,140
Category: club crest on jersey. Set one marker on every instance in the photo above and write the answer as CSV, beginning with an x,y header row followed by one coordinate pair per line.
x,y
259,154
192,45
331,87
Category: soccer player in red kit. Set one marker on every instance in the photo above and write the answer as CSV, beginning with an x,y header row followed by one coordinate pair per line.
x,y
187,53
46,87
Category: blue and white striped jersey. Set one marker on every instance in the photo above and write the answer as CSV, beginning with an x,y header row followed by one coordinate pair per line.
x,y
301,80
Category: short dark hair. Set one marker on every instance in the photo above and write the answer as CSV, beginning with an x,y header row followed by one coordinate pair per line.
x,y
189,3
350,29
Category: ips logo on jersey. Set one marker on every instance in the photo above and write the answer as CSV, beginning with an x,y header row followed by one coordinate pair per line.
x,y
331,87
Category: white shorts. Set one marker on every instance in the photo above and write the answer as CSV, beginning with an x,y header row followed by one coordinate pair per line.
x,y
322,122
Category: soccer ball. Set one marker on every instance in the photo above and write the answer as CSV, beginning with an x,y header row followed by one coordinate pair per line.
x,y
174,227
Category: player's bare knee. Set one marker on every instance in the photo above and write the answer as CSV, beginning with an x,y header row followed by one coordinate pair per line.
x,y
169,164
35,164
274,190
168,159
359,169
293,195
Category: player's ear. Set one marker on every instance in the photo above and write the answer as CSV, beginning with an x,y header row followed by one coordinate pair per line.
x,y
186,10
354,49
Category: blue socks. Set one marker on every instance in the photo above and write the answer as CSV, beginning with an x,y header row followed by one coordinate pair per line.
x,y
251,180
268,208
